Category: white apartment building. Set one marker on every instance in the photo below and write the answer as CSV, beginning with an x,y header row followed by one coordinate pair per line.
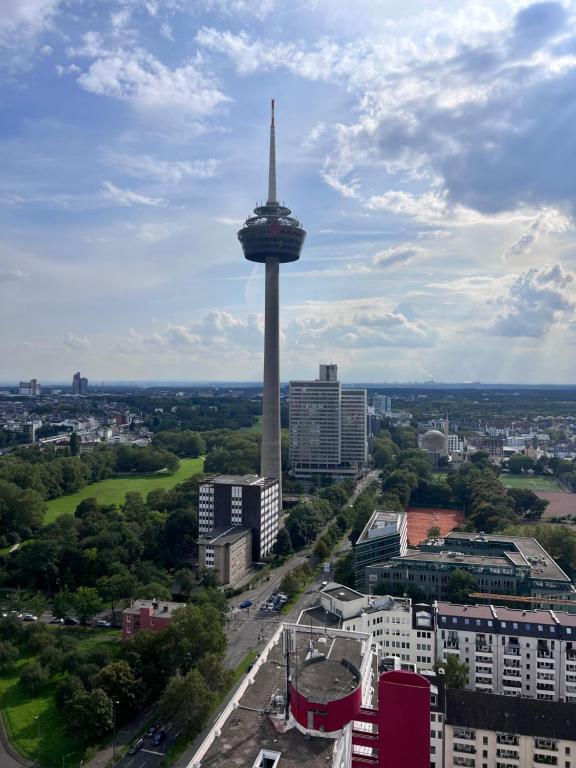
x,y
512,652
396,626
328,427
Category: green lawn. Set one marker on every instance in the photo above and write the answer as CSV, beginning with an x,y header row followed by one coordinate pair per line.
x,y
113,490
19,708
531,483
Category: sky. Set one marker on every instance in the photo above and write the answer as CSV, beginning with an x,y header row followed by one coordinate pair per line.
x,y
428,149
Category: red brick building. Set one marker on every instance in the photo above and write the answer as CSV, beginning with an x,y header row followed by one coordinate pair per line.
x,y
151,615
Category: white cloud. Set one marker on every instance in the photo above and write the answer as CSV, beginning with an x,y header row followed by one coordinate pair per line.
x,y
76,343
399,254
25,17
140,79
537,300
12,275
127,196
148,167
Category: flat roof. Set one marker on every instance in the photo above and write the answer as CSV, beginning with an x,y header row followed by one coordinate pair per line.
x,y
225,535
345,594
159,607
471,611
379,519
256,724
542,563
242,480
460,558
319,617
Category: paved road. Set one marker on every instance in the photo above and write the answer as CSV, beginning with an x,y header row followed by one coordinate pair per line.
x,y
250,628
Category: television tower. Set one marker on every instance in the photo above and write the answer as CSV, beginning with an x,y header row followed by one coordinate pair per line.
x,y
271,237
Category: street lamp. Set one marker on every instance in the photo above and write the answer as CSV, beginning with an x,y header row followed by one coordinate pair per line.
x,y
114,703
37,718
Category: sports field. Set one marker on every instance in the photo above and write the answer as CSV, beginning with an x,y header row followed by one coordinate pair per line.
x,y
530,482
114,490
421,519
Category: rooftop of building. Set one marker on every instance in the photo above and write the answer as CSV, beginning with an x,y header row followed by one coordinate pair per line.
x,y
162,608
454,558
340,592
510,714
503,613
224,535
242,480
379,520
257,722
542,564
319,617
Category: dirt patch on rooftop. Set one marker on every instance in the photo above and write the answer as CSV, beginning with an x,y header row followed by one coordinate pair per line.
x,y
421,519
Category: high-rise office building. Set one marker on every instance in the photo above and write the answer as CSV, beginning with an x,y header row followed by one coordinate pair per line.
x,y
79,384
29,388
327,426
382,404
241,500
271,237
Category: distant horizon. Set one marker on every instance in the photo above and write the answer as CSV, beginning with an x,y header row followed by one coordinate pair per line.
x,y
237,384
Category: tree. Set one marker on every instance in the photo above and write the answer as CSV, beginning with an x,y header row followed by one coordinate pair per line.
x,y
283,544
455,671
115,587
74,444
61,604
194,631
33,676
187,702
8,655
87,603
460,584
118,681
89,714
520,463
527,503
434,532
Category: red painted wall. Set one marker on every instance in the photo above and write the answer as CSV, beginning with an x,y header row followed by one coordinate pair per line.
x,y
331,716
403,720
131,624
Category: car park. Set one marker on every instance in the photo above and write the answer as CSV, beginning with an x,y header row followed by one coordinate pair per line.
x,y
136,747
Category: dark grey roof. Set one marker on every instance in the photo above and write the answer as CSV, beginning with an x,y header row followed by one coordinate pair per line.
x,y
511,714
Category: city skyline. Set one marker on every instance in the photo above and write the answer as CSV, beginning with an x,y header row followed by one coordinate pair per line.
x,y
432,151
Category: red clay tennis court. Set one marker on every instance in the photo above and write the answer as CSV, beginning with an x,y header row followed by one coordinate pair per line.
x,y
421,519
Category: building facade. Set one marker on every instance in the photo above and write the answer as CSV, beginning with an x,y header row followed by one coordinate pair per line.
x,y
29,388
245,500
227,552
382,404
328,427
149,615
384,536
504,565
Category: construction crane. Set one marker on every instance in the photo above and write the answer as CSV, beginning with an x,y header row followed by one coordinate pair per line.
x,y
533,599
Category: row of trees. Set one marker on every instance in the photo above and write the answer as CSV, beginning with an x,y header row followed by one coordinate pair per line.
x,y
29,476
181,666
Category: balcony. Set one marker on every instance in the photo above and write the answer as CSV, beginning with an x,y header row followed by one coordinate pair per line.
x,y
468,734
511,672
469,749
509,754
544,654
549,745
546,759
571,654
511,650
468,762
516,683
453,645
507,738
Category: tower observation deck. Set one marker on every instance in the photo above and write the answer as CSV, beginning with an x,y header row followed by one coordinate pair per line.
x,y
271,237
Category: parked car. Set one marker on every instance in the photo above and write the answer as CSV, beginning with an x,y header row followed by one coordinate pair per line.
x,y
136,747
71,621
29,617
54,620
102,623
152,730
245,604
158,738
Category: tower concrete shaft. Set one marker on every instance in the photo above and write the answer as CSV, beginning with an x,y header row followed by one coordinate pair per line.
x,y
272,237
271,460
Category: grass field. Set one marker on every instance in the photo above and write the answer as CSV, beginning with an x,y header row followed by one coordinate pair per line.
x,y
113,490
20,709
529,482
